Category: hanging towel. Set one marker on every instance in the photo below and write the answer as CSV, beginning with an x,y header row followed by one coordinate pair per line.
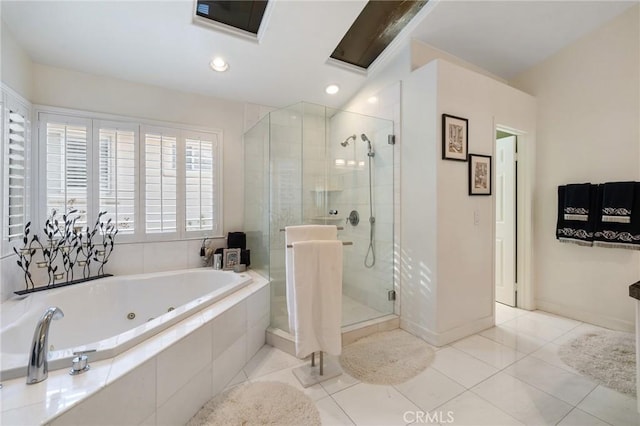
x,y
577,231
577,202
618,234
294,234
617,202
317,276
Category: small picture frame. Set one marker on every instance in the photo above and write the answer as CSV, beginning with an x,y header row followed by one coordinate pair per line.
x,y
230,258
455,138
479,174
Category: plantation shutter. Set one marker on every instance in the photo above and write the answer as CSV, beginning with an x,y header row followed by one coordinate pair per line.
x,y
66,160
201,181
160,163
117,176
17,177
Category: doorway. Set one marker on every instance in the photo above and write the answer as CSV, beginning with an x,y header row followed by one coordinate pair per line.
x,y
506,199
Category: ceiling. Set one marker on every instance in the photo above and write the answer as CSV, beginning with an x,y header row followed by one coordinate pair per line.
x,y
156,43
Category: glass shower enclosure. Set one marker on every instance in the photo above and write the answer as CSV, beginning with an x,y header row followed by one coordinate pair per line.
x,y
310,164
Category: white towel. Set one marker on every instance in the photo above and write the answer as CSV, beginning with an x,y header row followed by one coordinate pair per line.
x,y
317,276
314,288
293,234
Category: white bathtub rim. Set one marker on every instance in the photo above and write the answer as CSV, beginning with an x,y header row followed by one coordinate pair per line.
x,y
15,365
51,398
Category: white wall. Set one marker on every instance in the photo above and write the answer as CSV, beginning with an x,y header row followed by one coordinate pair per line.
x,y
588,131
70,89
448,259
16,66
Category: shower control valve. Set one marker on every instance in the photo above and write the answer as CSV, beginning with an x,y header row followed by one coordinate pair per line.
x,y
333,212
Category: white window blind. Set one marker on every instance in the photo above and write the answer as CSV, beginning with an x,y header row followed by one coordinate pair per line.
x,y
160,162
201,182
117,172
66,163
16,173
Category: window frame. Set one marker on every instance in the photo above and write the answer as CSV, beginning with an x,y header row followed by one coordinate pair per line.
x,y
140,235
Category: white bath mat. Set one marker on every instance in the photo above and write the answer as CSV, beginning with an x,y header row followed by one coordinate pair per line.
x,y
261,403
607,357
386,358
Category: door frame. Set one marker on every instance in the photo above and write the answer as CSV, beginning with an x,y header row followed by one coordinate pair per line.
x,y
525,175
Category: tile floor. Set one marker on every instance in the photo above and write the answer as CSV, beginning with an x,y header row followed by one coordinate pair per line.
x,y
507,375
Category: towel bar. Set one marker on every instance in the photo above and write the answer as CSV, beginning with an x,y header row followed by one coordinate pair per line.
x,y
340,228
344,243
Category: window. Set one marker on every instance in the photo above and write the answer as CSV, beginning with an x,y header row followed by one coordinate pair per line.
x,y
117,175
153,182
201,179
15,143
16,173
160,164
66,162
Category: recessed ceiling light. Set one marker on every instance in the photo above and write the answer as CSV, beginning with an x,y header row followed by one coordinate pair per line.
x,y
332,89
219,64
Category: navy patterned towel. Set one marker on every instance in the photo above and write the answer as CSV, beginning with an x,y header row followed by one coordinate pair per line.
x,y
577,226
617,202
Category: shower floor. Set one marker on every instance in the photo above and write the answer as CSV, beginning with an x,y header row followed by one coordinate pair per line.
x,y
353,312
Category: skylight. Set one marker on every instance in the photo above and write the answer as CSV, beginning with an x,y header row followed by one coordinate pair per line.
x,y
245,15
374,29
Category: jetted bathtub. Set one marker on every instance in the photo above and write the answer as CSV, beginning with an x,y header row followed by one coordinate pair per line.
x,y
108,315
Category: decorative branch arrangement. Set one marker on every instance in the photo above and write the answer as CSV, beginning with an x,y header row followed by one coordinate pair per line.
x,y
66,248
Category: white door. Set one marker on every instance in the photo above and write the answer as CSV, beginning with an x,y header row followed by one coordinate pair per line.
x,y
506,220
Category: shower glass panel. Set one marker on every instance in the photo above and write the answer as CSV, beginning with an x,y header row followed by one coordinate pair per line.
x,y
309,164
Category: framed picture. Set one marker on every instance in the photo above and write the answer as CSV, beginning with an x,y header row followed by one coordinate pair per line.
x,y
455,138
479,174
230,258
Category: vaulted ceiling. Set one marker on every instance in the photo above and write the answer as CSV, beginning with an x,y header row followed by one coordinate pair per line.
x,y
155,42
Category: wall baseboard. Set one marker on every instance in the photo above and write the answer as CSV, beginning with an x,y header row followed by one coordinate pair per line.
x,y
585,316
442,339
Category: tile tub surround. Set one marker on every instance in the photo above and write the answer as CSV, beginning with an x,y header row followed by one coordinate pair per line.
x,y
167,377
96,314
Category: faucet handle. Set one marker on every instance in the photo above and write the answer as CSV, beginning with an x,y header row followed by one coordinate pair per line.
x,y
80,364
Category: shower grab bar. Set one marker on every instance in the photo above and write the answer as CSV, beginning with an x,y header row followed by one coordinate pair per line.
x,y
344,243
340,228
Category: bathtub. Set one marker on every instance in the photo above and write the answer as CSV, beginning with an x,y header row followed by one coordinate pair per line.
x,y
108,316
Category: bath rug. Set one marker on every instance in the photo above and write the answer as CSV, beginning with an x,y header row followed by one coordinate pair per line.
x,y
262,403
607,357
386,358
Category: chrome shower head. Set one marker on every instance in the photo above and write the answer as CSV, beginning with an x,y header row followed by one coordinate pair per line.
x,y
346,141
364,138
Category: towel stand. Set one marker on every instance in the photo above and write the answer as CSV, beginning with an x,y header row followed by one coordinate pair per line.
x,y
313,362
344,243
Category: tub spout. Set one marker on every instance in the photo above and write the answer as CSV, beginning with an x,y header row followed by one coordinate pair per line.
x,y
38,370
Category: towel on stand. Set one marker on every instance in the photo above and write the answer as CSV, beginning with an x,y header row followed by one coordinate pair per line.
x,y
317,275
617,202
571,226
620,234
294,234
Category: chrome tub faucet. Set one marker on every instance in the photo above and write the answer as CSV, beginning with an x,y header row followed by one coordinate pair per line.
x,y
38,370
